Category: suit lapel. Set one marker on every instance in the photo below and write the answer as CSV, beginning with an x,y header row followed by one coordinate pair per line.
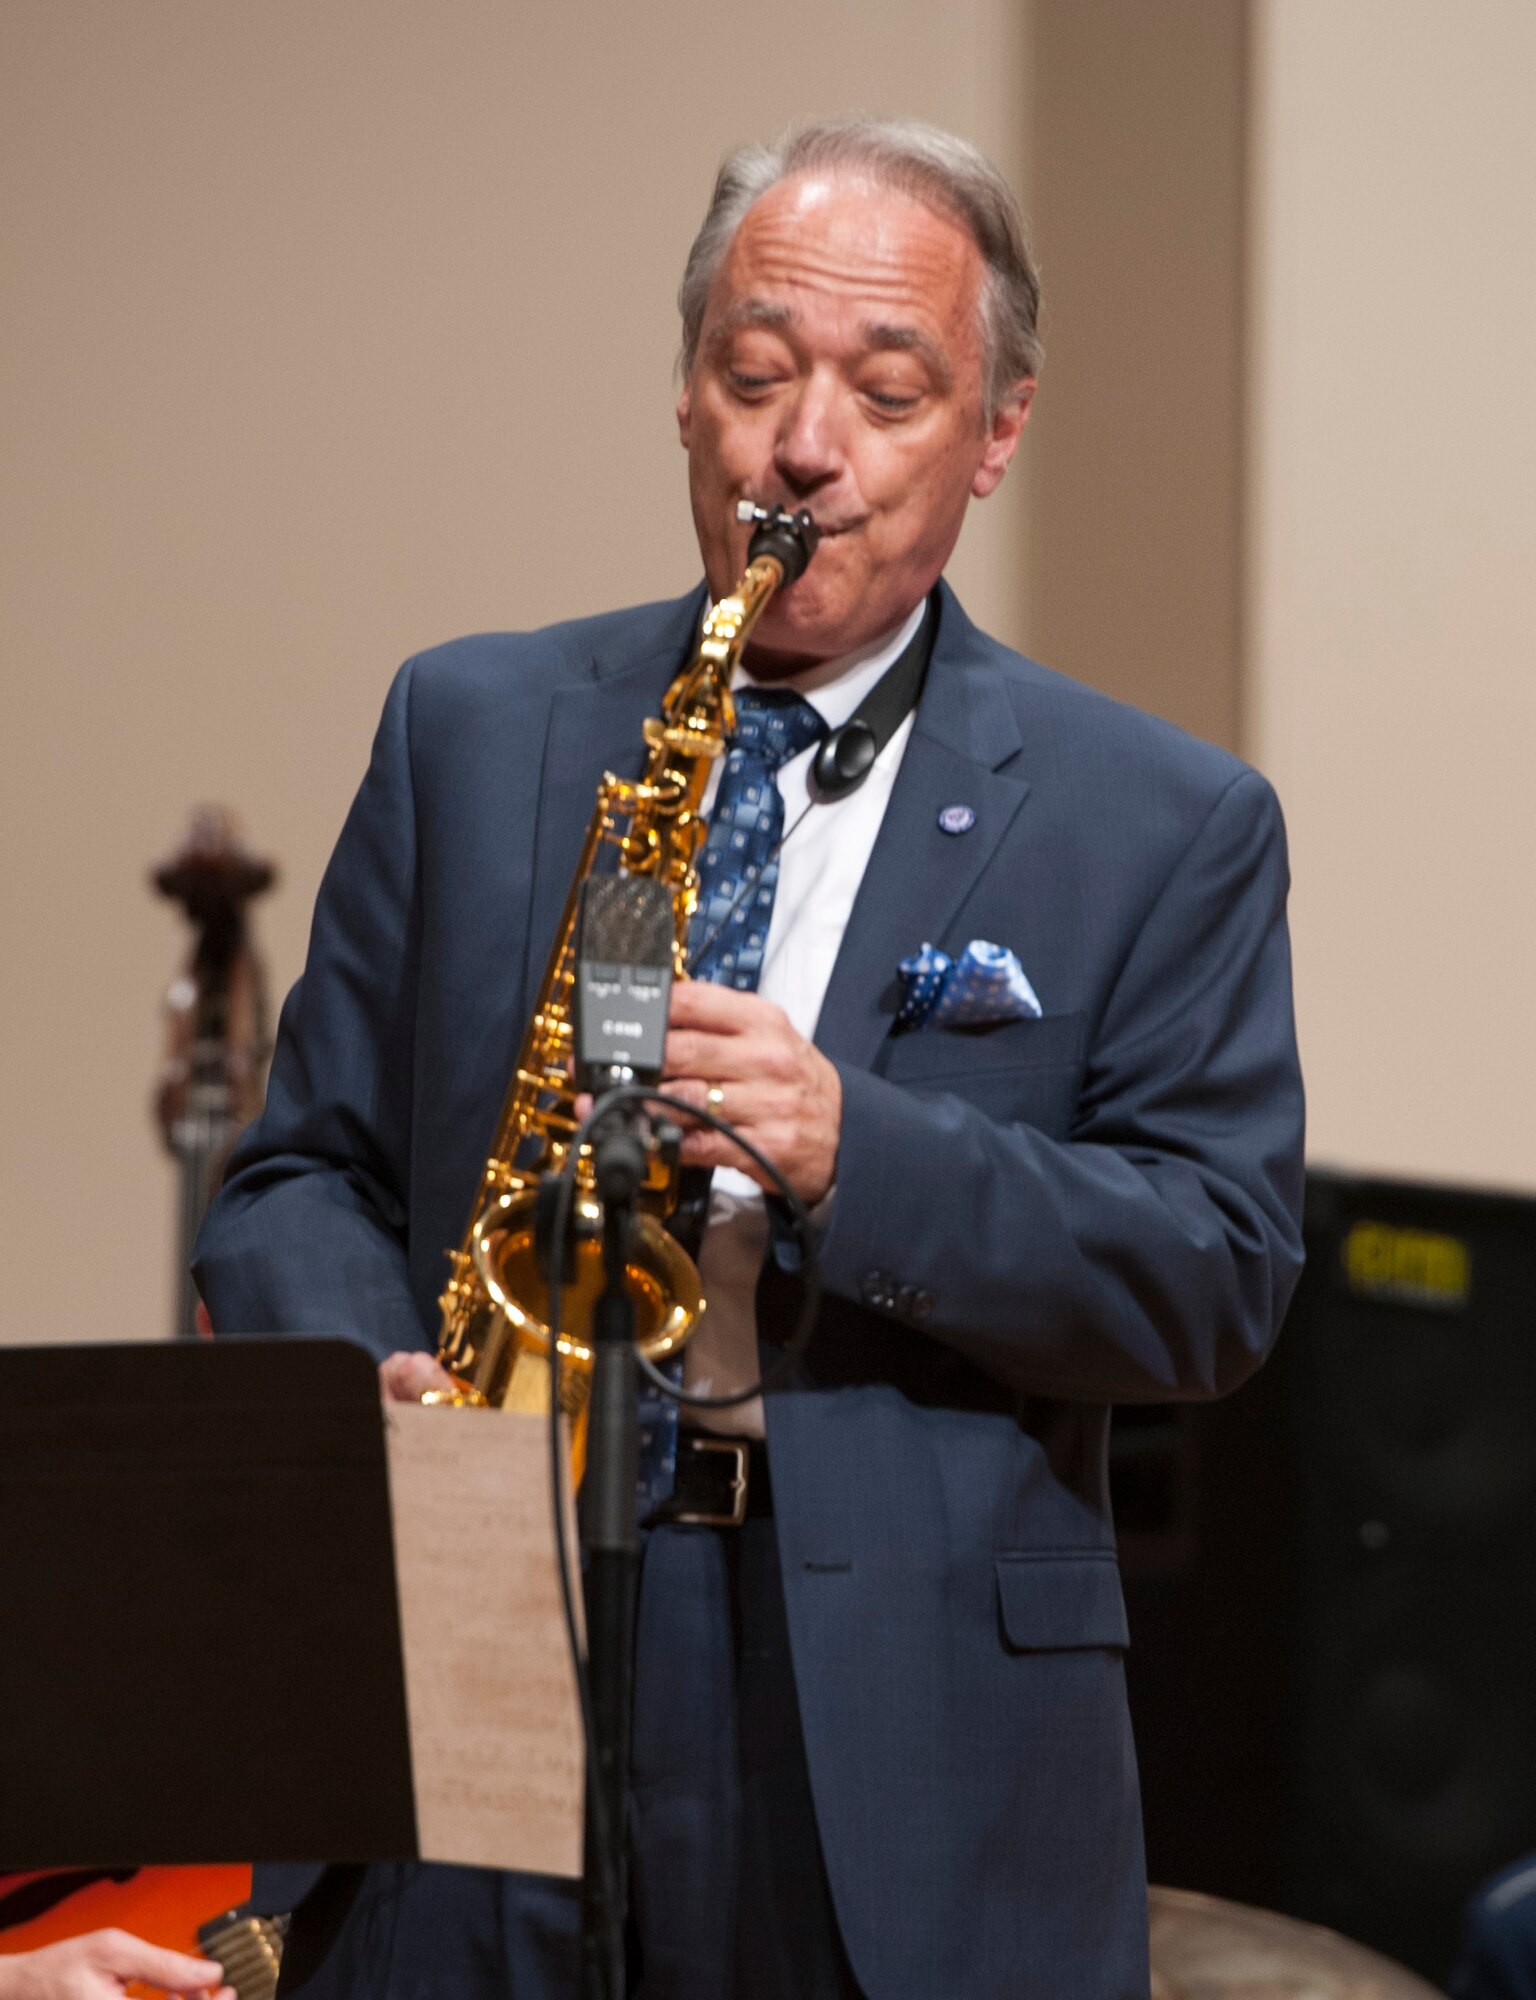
x,y
594,726
918,877
964,736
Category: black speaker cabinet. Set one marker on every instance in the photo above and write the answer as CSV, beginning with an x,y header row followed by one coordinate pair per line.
x,y
1332,1581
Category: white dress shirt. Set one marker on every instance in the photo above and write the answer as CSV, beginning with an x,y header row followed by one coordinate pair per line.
x,y
826,849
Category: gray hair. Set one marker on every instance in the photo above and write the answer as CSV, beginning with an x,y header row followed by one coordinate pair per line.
x,y
920,160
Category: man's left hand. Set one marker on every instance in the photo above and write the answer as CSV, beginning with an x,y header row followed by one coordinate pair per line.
x,y
776,1088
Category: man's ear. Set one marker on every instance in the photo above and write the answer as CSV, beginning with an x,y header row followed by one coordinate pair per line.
x,y
1003,437
684,412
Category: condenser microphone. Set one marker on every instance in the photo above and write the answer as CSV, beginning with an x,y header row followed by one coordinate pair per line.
x,y
625,939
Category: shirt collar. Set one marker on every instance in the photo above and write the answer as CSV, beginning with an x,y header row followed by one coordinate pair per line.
x,y
834,688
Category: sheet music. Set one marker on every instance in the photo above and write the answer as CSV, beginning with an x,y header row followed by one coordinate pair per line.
x,y
495,1726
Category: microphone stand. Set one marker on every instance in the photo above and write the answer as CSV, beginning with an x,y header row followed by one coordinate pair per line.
x,y
620,1143
611,1539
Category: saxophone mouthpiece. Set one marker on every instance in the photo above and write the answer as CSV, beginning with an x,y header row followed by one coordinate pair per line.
x,y
791,538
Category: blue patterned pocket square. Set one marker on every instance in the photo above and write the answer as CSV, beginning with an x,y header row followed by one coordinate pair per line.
x,y
983,986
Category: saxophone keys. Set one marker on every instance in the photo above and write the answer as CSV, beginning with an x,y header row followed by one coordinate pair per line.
x,y
693,742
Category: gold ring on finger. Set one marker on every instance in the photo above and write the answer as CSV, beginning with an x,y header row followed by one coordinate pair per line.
x,y
714,1097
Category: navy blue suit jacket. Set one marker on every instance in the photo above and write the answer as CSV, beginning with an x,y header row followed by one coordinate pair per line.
x,y
1101,1205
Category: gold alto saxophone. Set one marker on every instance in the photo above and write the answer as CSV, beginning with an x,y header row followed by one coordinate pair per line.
x,y
494,1337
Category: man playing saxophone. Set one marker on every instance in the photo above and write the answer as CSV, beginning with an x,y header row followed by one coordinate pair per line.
x,y
1011,1013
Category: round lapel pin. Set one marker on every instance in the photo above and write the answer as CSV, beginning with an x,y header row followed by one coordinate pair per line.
x,y
957,819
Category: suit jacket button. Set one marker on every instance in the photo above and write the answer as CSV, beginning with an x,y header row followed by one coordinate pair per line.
x,y
875,1288
922,1305
906,1301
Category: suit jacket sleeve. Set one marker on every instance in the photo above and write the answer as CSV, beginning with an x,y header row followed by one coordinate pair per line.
x,y
1151,1253
308,1233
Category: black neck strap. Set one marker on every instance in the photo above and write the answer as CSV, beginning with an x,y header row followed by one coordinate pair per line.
x,y
847,755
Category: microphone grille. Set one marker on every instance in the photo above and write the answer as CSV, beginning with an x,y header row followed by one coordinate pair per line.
x,y
626,920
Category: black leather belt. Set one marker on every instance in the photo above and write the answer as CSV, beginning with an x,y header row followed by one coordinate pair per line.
x,y
721,1482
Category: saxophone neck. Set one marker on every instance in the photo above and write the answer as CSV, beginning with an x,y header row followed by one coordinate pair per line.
x,y
701,694
781,546
729,623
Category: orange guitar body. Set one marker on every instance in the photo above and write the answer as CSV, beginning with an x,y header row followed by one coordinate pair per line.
x,y
164,1905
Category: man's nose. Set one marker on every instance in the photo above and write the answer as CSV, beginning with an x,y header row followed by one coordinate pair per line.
x,y
808,452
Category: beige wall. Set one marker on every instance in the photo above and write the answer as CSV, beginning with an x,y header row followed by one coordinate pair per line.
x,y
331,330
1138,133
334,330
1392,555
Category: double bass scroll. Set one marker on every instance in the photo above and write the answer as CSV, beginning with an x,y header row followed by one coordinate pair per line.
x,y
214,1076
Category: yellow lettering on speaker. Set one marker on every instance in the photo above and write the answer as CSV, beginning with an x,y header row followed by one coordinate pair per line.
x,y
1412,1266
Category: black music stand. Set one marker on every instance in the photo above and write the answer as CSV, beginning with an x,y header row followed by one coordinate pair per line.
x,y
200,1654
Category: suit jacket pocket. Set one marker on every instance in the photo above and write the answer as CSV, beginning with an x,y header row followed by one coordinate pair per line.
x,y
928,1055
1052,1602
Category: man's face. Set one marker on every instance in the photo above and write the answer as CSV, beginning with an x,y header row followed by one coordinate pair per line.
x,y
840,368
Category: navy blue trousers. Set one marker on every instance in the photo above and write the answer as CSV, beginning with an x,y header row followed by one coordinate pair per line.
x,y
728,1890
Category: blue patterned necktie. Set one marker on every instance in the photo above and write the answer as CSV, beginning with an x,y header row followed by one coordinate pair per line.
x,y
738,878
739,867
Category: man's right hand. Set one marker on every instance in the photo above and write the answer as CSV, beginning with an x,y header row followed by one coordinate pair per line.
x,y
99,1967
406,1378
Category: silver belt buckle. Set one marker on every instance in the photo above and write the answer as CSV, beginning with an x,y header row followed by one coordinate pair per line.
x,y
735,1448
